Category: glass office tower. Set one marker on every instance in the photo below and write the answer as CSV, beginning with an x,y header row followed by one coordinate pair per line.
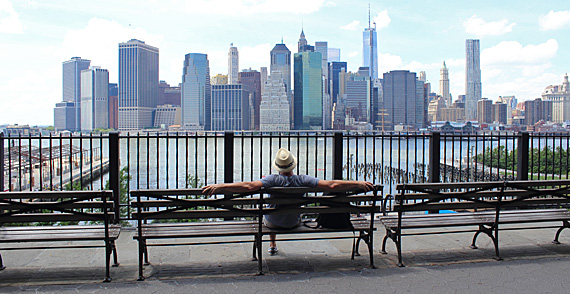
x,y
196,92
308,97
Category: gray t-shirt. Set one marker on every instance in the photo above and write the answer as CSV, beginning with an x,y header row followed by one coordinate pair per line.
x,y
287,220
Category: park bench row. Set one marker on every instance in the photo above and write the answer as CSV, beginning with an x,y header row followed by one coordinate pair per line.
x,y
185,217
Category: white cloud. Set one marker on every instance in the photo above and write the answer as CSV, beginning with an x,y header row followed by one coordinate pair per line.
x,y
510,68
382,20
254,56
248,7
388,62
99,42
554,20
353,26
353,54
9,19
479,27
23,104
512,52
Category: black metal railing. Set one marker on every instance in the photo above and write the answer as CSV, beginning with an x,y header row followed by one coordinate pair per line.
x,y
132,161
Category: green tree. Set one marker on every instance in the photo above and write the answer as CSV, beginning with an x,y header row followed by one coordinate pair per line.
x,y
546,160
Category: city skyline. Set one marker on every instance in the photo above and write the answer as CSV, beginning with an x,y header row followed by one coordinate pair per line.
x,y
522,49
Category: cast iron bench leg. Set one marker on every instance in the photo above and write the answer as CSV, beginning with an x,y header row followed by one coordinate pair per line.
x,y
254,256
115,258
142,249
1,264
108,252
565,224
390,235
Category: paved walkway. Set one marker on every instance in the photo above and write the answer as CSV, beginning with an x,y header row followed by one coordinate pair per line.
x,y
435,264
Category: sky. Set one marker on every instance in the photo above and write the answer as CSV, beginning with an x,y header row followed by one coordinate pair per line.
x,y
525,44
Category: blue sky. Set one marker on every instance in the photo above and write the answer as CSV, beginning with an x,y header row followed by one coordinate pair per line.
x,y
525,45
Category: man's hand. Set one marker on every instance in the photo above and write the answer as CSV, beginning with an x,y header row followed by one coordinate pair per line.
x,y
366,186
212,189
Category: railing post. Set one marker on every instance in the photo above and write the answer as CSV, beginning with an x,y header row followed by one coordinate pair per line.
x,y
228,157
434,157
114,173
2,162
337,155
228,161
522,156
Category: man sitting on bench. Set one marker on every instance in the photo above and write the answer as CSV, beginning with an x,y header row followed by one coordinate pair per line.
x,y
284,163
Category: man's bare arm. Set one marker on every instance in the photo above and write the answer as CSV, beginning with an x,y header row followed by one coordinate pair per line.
x,y
241,187
339,185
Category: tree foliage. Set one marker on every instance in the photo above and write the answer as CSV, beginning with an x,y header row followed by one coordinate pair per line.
x,y
546,160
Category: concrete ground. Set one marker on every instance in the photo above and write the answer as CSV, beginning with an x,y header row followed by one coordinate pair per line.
x,y
441,263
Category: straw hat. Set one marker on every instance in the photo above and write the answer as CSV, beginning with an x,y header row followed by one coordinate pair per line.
x,y
284,161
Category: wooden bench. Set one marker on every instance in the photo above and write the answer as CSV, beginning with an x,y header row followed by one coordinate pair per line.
x,y
39,217
481,208
245,213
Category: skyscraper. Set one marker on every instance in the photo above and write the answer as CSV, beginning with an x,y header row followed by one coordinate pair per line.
x,y
196,92
281,62
72,93
263,73
308,100
334,71
444,85
94,99
403,98
251,82
302,43
370,49
322,47
233,65
274,108
230,108
138,84
472,78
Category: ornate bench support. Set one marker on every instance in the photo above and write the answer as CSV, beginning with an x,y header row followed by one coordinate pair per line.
x,y
489,232
565,224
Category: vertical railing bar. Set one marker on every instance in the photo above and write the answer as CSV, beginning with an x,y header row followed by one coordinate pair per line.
x,y
205,157
186,162
325,137
91,161
391,169
166,157
148,160
71,161
20,163
399,171
41,163
261,158
567,154
316,154
531,139
539,155
80,161
177,159
101,158
374,157
242,156
61,161
196,154
50,162
251,156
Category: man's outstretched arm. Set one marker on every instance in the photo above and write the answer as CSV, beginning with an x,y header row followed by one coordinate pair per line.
x,y
241,187
339,185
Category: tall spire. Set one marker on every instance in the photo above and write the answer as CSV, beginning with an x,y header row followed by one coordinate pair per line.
x,y
368,15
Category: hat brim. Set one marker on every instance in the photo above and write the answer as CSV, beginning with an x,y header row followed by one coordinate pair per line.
x,y
284,170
